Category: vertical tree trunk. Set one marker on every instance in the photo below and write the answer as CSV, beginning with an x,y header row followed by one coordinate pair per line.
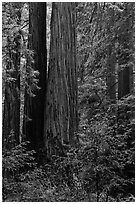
x,y
16,88
34,106
126,58
111,73
111,59
61,100
123,82
6,120
11,113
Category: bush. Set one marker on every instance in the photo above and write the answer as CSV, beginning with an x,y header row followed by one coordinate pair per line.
x,y
14,163
107,155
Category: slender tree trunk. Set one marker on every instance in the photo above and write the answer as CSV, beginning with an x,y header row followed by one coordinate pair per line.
x,y
61,99
11,113
111,73
107,195
16,88
89,197
34,106
123,82
111,60
6,121
126,59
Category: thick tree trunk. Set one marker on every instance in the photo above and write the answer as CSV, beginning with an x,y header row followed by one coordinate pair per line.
x,y
61,100
34,106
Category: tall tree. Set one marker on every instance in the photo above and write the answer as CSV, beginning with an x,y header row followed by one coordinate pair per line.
x,y
61,100
11,73
35,101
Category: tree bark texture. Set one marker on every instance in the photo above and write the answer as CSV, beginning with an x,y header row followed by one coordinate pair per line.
x,y
61,100
34,106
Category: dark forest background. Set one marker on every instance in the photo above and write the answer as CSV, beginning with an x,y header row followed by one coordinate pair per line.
x,y
68,101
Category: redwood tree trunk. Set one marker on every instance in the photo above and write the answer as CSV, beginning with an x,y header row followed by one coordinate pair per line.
x,y
61,100
34,106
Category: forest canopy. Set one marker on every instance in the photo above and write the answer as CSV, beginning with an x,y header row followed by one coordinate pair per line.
x,y
68,101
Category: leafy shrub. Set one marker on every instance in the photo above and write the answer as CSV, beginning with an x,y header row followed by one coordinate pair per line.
x,y
107,154
14,163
